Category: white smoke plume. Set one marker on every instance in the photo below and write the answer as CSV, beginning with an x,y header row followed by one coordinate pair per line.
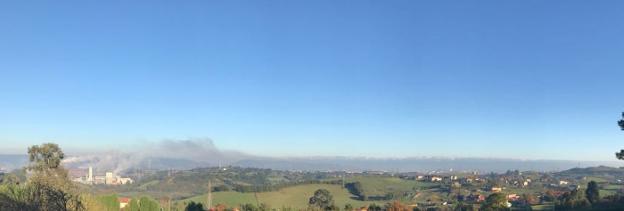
x,y
165,154
193,153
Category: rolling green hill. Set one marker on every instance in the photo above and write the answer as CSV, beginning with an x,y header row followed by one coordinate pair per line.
x,y
188,183
294,197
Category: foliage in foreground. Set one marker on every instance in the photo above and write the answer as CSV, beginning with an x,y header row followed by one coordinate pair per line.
x,y
47,188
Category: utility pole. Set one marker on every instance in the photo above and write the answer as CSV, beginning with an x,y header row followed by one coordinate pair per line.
x,y
209,201
256,195
169,202
343,181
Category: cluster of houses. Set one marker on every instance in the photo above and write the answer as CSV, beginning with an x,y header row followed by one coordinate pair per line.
x,y
86,176
471,179
480,186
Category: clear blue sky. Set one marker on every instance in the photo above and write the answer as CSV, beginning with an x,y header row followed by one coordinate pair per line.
x,y
517,79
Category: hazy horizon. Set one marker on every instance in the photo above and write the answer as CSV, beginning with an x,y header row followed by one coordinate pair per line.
x,y
534,80
200,153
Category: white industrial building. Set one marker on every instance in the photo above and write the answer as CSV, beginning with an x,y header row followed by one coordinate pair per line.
x,y
109,178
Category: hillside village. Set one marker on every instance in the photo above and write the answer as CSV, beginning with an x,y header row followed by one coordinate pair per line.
x,y
423,191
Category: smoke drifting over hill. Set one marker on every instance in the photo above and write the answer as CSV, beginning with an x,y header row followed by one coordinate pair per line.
x,y
178,154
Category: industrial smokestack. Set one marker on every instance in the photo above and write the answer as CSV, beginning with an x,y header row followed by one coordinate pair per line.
x,y
90,177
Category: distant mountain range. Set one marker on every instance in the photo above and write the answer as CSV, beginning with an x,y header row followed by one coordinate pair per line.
x,y
121,162
601,171
10,162
482,165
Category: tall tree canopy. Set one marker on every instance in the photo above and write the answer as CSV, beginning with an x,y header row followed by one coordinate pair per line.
x,y
134,205
592,193
496,201
621,122
48,187
194,207
620,155
147,204
322,199
574,199
45,157
52,189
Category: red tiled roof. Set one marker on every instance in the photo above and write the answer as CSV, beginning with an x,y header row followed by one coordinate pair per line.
x,y
123,200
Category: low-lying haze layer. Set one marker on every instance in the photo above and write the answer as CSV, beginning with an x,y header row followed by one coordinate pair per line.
x,y
195,153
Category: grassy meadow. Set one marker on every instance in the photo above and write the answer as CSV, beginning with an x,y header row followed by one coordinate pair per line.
x,y
294,197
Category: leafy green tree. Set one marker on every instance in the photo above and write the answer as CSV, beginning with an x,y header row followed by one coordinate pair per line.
x,y
147,204
322,199
194,206
47,188
355,188
45,157
572,200
109,202
592,193
133,205
374,207
495,201
50,183
620,155
621,122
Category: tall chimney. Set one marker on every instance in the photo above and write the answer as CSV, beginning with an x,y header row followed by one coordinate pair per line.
x,y
90,178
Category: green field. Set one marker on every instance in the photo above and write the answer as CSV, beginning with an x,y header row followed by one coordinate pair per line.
x,y
596,179
604,193
294,197
298,196
379,185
